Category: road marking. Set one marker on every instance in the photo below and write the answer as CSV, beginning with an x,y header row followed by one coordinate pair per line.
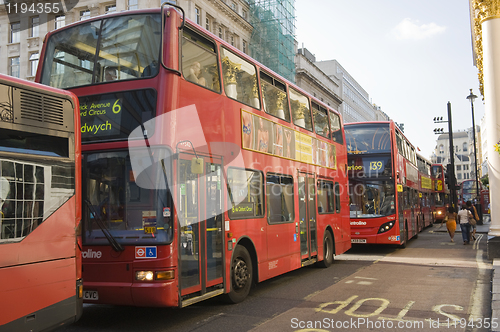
x,y
480,287
402,313
475,245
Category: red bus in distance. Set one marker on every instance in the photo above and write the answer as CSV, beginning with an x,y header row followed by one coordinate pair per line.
x,y
441,200
203,170
384,185
426,192
40,207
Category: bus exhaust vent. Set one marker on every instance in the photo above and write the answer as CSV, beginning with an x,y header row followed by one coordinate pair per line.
x,y
42,110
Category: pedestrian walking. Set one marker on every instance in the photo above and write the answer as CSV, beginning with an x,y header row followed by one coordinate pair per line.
x,y
474,219
463,217
451,222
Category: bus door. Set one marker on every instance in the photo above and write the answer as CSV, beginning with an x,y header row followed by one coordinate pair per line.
x,y
307,216
199,210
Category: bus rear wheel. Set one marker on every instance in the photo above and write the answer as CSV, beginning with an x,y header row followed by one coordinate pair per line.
x,y
328,251
403,245
241,275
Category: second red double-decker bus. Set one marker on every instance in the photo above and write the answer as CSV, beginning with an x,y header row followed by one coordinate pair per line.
x,y
441,196
40,207
384,186
426,192
203,170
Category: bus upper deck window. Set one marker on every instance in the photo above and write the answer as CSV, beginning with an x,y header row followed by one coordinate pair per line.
x,y
321,126
336,128
199,60
240,79
274,97
301,112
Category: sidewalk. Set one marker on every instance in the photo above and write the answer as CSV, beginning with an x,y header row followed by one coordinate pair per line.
x,y
495,282
484,228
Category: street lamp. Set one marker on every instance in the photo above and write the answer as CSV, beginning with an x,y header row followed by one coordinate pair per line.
x,y
472,97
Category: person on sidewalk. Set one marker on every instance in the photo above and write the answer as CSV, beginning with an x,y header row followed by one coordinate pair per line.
x,y
451,222
473,211
463,217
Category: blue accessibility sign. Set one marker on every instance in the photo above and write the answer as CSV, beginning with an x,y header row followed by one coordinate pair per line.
x,y
145,252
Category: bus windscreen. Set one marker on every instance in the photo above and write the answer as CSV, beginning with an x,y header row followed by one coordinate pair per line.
x,y
374,138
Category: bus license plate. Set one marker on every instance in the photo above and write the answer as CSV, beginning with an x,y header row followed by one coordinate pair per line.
x,y
358,240
90,295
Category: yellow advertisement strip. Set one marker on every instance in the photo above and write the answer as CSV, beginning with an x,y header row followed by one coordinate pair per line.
x,y
426,182
262,135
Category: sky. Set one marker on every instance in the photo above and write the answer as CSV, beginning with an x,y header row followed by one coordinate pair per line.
x,y
411,57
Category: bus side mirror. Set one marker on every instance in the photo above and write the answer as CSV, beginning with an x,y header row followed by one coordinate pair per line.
x,y
197,165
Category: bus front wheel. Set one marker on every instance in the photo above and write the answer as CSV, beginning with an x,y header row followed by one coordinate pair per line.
x,y
241,275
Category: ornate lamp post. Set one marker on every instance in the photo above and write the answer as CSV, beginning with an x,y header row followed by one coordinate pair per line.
x,y
472,97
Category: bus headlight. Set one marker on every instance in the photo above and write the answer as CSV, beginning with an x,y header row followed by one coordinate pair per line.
x,y
386,227
440,212
144,275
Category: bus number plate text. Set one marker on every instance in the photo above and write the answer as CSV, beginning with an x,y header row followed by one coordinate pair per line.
x,y
90,295
358,240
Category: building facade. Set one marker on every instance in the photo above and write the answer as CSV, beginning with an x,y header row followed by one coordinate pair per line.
x,y
311,79
356,106
463,151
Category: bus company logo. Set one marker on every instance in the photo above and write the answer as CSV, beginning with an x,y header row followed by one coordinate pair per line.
x,y
91,254
358,223
394,238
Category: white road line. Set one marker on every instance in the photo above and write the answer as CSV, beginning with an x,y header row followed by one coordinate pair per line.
x,y
480,288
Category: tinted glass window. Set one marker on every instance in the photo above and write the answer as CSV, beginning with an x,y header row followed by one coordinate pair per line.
x,y
113,116
369,138
128,48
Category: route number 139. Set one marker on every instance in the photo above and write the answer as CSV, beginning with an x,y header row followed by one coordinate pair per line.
x,y
375,165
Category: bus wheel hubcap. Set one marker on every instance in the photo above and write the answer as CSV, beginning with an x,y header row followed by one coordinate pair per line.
x,y
240,273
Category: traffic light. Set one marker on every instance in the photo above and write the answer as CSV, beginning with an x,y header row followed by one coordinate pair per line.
x,y
448,175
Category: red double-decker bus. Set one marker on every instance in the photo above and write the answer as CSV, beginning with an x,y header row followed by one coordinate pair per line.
x,y
40,207
426,192
441,198
203,170
384,185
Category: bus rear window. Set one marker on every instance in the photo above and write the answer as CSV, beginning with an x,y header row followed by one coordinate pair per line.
x,y
32,143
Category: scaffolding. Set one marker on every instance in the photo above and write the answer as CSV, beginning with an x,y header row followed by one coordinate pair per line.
x,y
273,35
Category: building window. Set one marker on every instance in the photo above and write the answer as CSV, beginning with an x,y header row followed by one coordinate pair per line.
x,y
220,32
34,22
232,40
244,46
459,176
84,15
244,14
111,9
464,147
197,12
233,6
33,63
60,21
15,32
14,67
466,167
207,24
133,4
459,167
